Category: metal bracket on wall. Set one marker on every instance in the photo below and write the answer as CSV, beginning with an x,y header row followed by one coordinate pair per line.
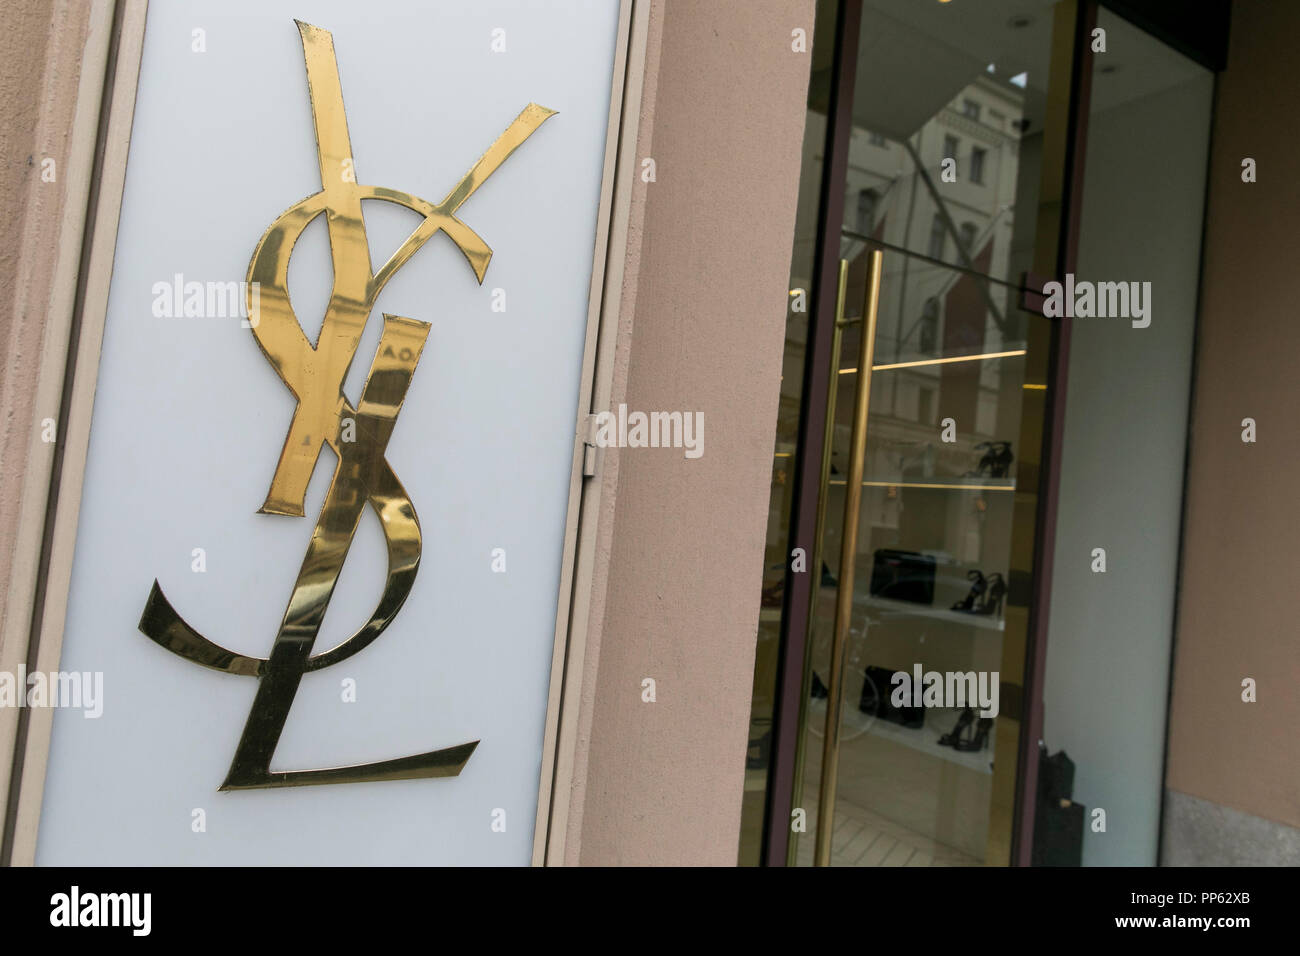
x,y
587,435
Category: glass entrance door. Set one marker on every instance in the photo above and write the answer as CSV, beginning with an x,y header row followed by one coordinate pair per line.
x,y
907,641
913,673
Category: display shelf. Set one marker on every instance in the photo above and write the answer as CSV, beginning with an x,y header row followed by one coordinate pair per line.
x,y
908,609
772,615
926,739
938,484
938,721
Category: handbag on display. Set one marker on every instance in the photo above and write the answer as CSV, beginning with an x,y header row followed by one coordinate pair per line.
x,y
903,576
877,689
1058,820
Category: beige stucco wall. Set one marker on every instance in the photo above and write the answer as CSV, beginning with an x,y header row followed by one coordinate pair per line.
x,y
40,58
680,547
1237,610
42,49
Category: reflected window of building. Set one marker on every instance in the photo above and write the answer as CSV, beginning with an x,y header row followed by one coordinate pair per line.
x,y
937,235
876,139
925,406
950,147
971,109
867,201
968,232
929,334
977,157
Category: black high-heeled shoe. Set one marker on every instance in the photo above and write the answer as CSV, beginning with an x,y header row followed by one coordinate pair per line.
x,y
971,601
951,738
997,590
979,739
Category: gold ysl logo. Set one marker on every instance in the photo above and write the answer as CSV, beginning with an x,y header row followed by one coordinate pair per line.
x,y
315,375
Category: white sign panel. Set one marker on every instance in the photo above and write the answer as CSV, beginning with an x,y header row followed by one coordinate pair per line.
x,y
233,162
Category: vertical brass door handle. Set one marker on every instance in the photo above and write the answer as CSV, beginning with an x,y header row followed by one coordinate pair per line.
x,y
848,558
823,492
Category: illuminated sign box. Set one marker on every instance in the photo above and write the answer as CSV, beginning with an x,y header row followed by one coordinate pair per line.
x,y
326,509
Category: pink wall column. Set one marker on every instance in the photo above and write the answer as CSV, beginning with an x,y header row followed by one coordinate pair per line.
x,y
1237,609
675,595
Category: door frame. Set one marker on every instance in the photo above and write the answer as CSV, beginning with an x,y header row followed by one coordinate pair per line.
x,y
799,591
